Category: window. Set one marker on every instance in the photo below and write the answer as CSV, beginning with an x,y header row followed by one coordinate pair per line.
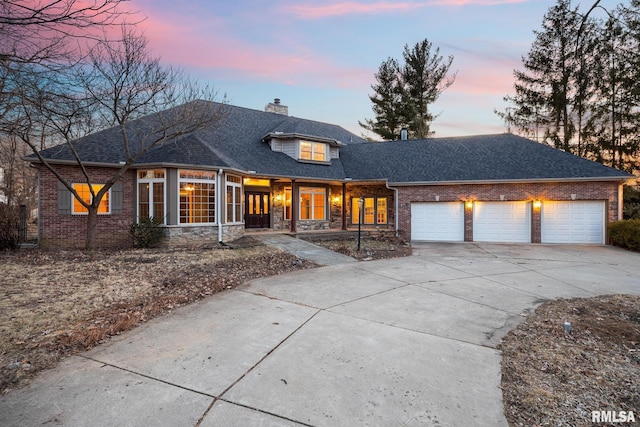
x,y
197,197
287,203
375,210
315,151
234,199
85,194
151,195
312,203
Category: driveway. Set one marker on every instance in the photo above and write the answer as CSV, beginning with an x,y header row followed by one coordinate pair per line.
x,y
405,342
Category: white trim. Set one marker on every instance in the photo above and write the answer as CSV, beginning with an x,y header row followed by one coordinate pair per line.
x,y
73,199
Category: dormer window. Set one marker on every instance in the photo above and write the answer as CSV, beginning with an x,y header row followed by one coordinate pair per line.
x,y
315,151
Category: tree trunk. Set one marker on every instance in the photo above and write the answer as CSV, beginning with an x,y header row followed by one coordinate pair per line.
x,y
92,228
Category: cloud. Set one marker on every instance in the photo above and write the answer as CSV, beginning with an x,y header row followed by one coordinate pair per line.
x,y
221,56
353,8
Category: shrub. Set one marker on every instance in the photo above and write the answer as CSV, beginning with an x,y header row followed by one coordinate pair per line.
x,y
9,225
146,233
625,234
631,199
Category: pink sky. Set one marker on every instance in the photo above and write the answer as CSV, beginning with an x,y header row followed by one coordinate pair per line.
x,y
320,57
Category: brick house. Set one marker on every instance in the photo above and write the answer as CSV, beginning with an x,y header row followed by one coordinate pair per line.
x,y
268,170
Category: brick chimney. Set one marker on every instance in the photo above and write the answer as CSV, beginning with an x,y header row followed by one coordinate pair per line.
x,y
276,107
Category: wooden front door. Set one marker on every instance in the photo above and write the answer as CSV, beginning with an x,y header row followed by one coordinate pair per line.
x,y
256,206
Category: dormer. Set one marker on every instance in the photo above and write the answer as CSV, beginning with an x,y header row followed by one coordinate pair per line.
x,y
305,148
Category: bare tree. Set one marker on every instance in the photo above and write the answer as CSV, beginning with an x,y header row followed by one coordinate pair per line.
x,y
119,84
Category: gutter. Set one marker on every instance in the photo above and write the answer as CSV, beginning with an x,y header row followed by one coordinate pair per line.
x,y
513,181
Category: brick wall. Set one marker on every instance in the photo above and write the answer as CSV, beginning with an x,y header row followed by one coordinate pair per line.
x,y
605,191
69,231
372,190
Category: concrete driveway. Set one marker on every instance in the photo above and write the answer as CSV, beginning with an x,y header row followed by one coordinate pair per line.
x,y
403,342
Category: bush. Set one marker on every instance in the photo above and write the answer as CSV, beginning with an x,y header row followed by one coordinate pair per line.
x,y
625,234
148,232
9,226
631,199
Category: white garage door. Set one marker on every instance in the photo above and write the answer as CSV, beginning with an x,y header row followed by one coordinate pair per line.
x,y
573,222
502,222
439,221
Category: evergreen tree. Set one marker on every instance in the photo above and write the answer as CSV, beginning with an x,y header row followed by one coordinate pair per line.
x,y
403,93
386,101
579,89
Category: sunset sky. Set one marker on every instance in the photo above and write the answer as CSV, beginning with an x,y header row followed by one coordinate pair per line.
x,y
320,56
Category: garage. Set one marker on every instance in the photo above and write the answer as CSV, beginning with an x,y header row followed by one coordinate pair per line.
x,y
437,222
502,222
573,222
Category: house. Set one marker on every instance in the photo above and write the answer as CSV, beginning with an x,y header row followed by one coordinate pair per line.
x,y
268,170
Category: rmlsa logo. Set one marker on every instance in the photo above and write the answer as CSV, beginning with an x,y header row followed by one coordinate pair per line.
x,y
613,417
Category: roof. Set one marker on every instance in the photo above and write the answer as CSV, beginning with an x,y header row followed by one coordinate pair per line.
x,y
500,157
238,142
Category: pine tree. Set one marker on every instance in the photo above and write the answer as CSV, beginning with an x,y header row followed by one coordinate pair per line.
x,y
403,93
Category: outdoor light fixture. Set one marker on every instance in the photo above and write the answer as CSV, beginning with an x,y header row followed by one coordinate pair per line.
x,y
536,204
469,204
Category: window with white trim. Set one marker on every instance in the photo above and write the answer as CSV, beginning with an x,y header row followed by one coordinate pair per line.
x,y
197,197
151,197
84,192
315,151
234,199
313,203
374,210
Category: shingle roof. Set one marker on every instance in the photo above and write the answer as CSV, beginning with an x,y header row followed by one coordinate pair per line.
x,y
237,142
501,157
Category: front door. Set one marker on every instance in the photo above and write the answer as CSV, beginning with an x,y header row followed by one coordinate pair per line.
x,y
257,209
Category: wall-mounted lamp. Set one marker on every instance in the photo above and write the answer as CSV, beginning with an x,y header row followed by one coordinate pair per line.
x,y
336,199
469,204
536,204
277,198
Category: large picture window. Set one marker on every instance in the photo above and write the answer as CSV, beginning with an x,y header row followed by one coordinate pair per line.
x,y
197,197
315,151
374,210
312,203
85,194
234,199
151,184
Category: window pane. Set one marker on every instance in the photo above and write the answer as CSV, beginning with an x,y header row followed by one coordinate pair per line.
x,y
369,210
158,202
318,206
143,201
229,203
265,204
382,210
355,210
305,206
85,194
305,150
197,202
318,152
238,204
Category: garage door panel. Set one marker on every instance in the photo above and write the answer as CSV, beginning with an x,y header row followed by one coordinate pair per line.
x,y
502,222
573,222
439,221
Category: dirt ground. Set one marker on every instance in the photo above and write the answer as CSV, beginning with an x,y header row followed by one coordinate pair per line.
x,y
554,378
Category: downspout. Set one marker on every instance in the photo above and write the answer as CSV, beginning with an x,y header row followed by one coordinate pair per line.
x,y
220,206
396,203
